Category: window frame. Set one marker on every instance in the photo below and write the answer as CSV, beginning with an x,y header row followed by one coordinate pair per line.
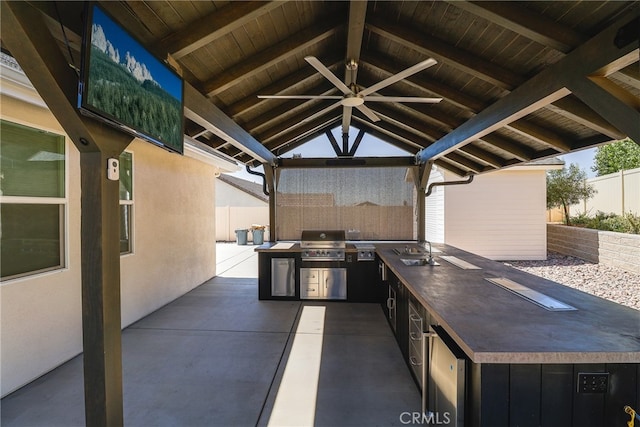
x,y
130,203
61,202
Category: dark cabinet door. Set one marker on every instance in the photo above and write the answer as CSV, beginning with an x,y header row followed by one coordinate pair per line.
x,y
363,282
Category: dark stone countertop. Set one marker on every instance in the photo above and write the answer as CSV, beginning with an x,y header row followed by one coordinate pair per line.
x,y
493,325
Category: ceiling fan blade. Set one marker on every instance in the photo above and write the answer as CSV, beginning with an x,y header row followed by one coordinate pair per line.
x,y
397,77
402,99
367,112
321,112
319,66
299,96
346,118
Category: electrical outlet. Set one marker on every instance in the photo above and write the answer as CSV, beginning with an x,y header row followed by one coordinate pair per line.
x,y
593,382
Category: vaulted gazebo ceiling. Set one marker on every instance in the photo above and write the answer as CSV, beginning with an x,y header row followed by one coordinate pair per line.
x,y
519,80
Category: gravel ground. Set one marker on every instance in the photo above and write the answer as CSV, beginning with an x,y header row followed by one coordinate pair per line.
x,y
604,281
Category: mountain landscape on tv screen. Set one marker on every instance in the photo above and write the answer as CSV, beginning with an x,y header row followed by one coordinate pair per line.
x,y
124,88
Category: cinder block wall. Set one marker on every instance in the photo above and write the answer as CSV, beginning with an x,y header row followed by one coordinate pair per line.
x,y
615,249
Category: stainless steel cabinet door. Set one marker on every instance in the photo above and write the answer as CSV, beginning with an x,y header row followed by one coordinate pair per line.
x,y
335,283
283,277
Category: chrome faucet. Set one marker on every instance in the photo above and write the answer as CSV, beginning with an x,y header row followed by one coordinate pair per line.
x,y
430,260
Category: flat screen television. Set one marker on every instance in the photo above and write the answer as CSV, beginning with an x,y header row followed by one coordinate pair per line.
x,y
124,85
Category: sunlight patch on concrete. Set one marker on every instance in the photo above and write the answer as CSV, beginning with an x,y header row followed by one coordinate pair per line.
x,y
295,403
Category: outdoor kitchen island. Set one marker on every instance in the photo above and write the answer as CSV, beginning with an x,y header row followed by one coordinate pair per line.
x,y
490,354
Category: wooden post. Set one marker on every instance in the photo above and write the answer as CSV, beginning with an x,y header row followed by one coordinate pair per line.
x,y
421,179
101,319
271,178
36,50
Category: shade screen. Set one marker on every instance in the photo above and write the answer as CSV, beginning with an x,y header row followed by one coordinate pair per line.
x,y
368,203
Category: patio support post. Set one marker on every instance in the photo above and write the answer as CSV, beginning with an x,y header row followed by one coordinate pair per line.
x,y
34,47
421,179
269,175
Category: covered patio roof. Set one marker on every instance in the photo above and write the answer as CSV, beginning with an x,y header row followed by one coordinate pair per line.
x,y
519,81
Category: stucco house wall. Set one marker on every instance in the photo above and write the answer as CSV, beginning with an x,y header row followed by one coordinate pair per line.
x,y
501,215
173,249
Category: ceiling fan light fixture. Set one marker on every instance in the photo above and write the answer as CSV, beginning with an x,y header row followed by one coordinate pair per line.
x,y
351,101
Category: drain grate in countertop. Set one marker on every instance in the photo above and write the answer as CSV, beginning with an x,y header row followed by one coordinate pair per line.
x,y
530,295
459,262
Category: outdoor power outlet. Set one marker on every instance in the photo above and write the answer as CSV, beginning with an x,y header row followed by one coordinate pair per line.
x,y
597,382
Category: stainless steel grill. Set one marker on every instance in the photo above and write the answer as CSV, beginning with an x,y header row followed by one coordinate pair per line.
x,y
365,251
323,245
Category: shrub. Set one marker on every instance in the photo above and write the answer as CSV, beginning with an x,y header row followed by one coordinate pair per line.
x,y
629,223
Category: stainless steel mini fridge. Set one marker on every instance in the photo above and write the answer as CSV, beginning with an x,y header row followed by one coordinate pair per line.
x,y
283,277
446,378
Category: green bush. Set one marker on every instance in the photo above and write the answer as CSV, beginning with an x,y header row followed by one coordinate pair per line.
x,y
629,223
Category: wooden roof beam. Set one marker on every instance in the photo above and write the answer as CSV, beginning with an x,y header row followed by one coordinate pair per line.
x,y
446,164
440,50
544,88
201,111
467,163
616,105
383,136
213,26
389,66
540,134
507,79
298,121
529,24
355,32
304,133
268,57
409,138
418,127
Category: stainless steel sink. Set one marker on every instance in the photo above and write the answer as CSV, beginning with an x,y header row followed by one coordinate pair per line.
x,y
417,261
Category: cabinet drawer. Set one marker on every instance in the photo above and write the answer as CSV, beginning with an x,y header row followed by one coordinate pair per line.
x,y
310,290
309,275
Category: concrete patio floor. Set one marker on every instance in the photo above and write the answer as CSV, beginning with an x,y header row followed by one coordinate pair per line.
x,y
219,357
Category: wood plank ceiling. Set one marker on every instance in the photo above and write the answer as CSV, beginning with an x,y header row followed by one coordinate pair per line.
x,y
519,81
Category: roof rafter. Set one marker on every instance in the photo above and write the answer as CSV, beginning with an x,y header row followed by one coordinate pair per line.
x,y
525,22
214,25
202,111
304,133
268,57
540,90
487,71
441,51
318,110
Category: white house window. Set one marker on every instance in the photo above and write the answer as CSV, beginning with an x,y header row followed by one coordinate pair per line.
x,y
32,200
126,203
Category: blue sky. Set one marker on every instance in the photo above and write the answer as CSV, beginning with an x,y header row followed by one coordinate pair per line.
x,y
122,41
584,159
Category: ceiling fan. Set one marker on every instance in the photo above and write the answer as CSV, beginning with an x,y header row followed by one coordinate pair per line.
x,y
353,96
